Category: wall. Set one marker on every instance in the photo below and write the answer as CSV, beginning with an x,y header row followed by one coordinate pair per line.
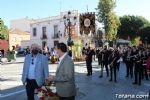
x,y
17,39
4,45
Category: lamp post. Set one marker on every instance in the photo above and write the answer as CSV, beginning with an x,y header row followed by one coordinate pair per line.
x,y
68,22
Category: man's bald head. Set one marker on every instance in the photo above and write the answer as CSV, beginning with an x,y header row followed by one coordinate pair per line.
x,y
35,46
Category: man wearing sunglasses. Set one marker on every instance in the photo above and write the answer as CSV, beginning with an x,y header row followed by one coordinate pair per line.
x,y
35,71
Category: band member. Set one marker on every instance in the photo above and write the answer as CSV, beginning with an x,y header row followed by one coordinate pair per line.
x,y
148,63
94,54
129,62
100,56
144,65
138,68
105,61
70,52
89,54
114,57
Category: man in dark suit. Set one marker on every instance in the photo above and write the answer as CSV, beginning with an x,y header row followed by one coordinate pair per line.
x,y
70,52
105,61
129,61
114,57
100,54
65,80
89,55
138,68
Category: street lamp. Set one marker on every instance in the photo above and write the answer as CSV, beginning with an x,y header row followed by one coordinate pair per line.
x,y
68,22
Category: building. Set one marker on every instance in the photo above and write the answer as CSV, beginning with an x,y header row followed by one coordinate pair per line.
x,y
4,45
21,24
17,36
51,30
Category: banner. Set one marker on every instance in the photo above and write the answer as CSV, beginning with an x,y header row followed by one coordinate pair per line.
x,y
87,23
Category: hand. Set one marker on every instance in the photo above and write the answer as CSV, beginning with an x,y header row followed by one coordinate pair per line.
x,y
24,83
51,77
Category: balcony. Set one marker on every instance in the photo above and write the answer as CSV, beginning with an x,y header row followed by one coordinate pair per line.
x,y
44,37
56,36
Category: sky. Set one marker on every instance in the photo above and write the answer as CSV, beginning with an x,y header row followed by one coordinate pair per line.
x,y
17,9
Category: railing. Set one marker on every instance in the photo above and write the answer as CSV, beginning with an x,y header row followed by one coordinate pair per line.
x,y
57,36
44,36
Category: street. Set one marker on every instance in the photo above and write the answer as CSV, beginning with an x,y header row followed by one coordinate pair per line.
x,y
88,87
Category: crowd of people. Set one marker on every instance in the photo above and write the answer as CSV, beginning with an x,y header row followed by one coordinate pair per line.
x,y
35,68
136,59
50,53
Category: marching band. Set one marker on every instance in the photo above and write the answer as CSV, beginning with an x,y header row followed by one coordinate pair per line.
x,y
135,59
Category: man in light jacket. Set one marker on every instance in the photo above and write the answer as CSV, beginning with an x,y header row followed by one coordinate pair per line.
x,y
35,71
65,80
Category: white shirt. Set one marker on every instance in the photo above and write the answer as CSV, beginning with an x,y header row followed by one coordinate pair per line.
x,y
31,74
60,59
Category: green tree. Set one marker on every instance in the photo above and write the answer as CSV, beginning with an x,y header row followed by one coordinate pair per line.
x,y
145,34
130,26
107,16
3,30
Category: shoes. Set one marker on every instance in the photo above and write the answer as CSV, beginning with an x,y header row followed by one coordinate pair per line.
x,y
100,76
88,74
110,80
139,84
134,83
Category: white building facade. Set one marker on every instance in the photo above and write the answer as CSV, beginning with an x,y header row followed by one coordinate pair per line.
x,y
49,31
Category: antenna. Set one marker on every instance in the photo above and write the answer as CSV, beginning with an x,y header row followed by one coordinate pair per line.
x,y
87,8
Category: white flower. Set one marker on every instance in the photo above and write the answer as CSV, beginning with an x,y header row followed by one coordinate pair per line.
x,y
43,88
40,94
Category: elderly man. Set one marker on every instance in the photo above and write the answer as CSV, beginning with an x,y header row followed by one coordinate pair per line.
x,y
35,71
65,81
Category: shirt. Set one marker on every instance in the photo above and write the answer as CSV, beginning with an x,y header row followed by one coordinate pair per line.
x,y
31,74
60,60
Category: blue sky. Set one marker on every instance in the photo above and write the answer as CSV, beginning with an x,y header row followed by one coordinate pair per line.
x,y
16,9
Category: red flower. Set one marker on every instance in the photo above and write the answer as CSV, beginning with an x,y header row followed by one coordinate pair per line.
x,y
51,94
40,89
41,98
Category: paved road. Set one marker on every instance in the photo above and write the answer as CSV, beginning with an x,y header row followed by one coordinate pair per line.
x,y
89,88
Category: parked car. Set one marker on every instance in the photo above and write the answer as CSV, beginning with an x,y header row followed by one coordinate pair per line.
x,y
21,51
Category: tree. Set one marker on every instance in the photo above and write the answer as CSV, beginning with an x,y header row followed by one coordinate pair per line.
x,y
130,26
107,16
145,34
3,30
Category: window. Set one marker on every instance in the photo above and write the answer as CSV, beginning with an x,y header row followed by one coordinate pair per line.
x,y
43,30
34,32
55,30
